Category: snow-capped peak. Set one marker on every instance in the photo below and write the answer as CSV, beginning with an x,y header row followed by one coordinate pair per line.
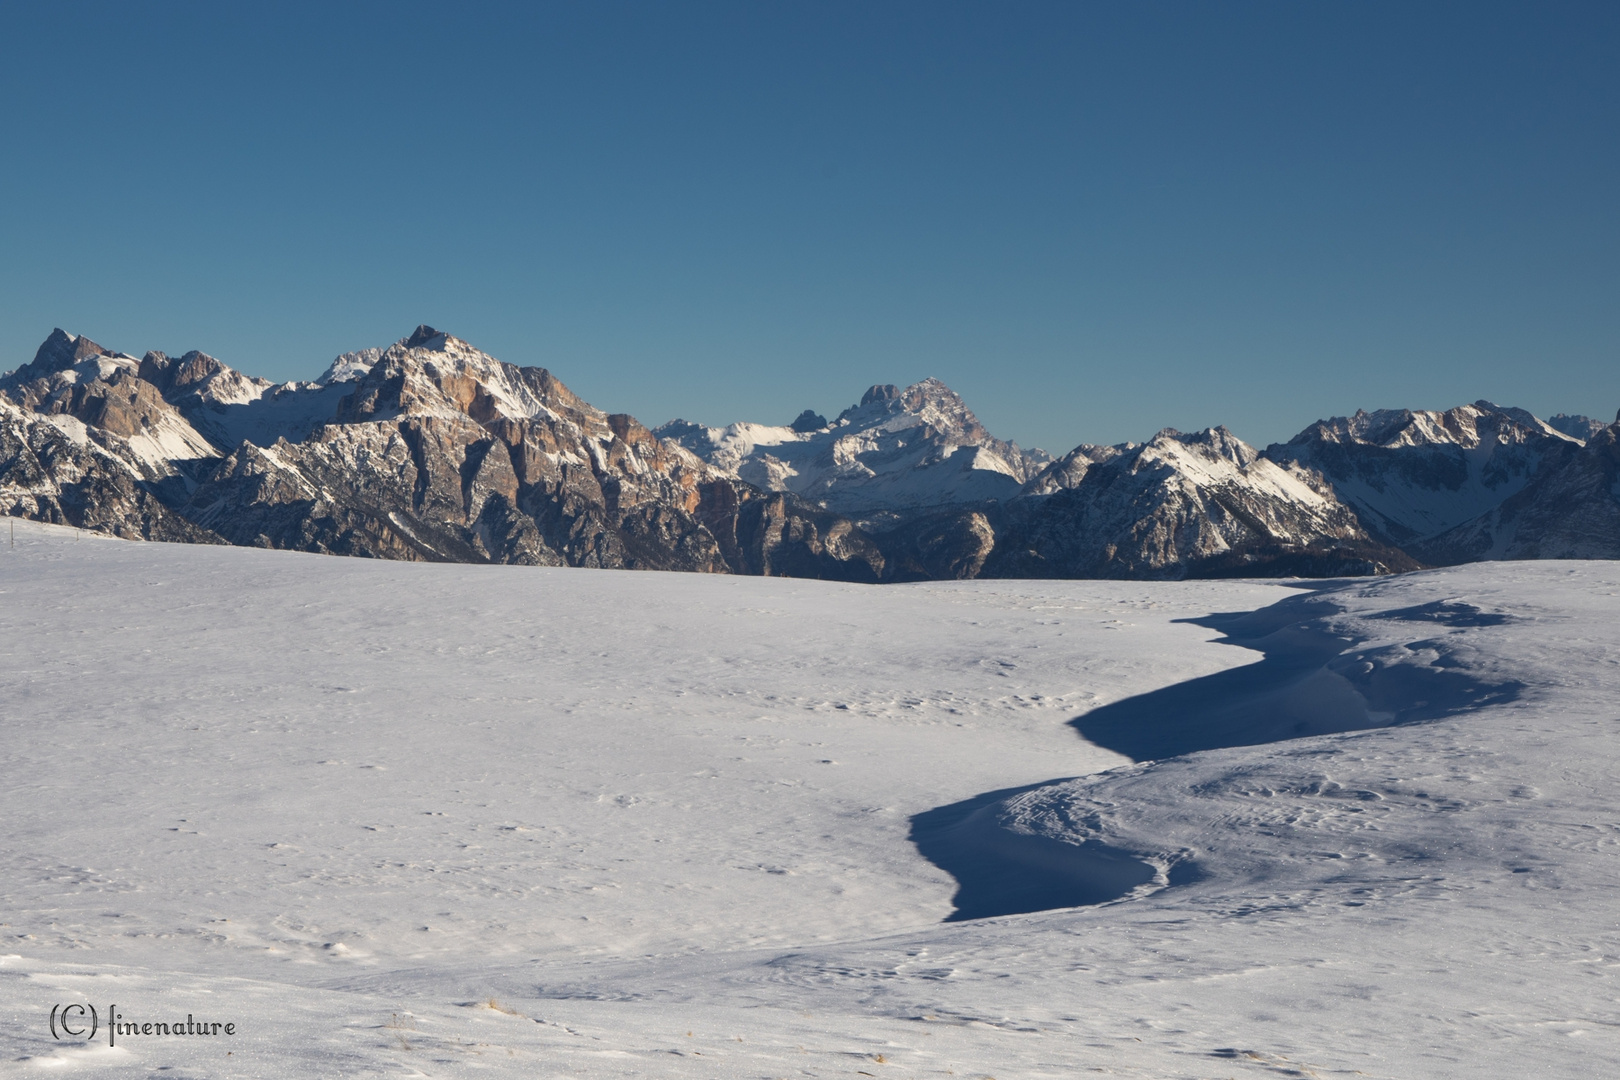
x,y
898,450
350,366
1412,474
74,354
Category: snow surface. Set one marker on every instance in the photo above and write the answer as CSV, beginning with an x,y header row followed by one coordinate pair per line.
x,y
432,820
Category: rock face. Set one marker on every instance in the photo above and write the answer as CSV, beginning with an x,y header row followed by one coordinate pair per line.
x,y
85,441
897,453
1198,505
429,449
58,469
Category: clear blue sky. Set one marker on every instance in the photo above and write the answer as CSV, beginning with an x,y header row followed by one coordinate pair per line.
x,y
1093,220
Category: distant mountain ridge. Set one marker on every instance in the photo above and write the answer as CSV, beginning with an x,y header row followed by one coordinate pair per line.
x,y
1206,504
896,452
430,449
1475,482
1413,475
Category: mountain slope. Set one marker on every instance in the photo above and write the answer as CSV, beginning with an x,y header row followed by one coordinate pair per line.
x,y
1576,427
1186,505
89,443
1413,475
1569,510
429,449
897,452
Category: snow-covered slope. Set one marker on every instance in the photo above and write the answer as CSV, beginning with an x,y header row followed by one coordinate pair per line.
x,y
1179,504
460,821
894,453
1569,510
1413,475
1070,469
1576,427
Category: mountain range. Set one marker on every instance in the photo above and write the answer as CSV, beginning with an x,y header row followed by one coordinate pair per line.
x,y
430,449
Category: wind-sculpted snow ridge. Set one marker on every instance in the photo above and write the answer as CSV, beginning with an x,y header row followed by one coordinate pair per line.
x,y
1327,668
1414,789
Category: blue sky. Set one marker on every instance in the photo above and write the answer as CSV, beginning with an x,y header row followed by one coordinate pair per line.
x,y
1092,220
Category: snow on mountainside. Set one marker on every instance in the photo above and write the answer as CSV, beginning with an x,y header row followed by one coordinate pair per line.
x,y
429,449
1576,427
433,450
90,442
1182,504
897,451
1413,475
473,459
59,469
232,408
1070,469
1569,510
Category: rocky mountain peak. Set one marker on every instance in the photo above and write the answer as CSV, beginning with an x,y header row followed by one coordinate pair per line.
x,y
425,337
433,373
432,449
169,374
897,451
1204,503
1070,469
1215,442
350,366
930,404
808,421
428,449
61,351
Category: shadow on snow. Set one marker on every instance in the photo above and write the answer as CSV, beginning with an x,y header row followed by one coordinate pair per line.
x,y
1006,873
1309,681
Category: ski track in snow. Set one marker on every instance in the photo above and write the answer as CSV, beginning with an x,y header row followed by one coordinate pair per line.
x,y
431,820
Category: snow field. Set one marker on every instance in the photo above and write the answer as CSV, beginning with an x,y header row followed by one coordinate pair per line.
x,y
403,820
